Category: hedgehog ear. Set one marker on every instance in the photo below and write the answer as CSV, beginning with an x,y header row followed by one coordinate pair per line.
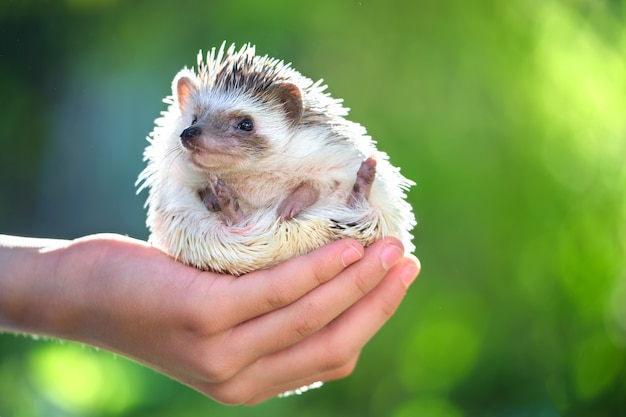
x,y
290,96
184,87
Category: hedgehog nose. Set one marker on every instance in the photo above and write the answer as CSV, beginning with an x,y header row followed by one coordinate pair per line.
x,y
191,132
188,136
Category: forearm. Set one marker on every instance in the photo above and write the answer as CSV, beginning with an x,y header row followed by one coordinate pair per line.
x,y
28,283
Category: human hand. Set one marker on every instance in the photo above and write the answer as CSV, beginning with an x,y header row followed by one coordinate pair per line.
x,y
237,340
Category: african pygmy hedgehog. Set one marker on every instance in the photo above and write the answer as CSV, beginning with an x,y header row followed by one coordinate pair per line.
x,y
253,164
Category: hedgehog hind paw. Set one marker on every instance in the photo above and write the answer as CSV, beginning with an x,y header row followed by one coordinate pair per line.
x,y
363,185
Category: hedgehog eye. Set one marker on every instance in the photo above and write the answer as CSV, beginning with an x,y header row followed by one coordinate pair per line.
x,y
246,125
194,121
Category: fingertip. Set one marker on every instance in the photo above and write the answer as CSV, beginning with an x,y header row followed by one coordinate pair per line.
x,y
410,270
391,240
351,253
391,254
417,262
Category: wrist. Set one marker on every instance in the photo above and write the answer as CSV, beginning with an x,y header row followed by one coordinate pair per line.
x,y
76,287
27,280
48,286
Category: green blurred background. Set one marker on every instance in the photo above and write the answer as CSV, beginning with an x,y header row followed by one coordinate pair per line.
x,y
509,115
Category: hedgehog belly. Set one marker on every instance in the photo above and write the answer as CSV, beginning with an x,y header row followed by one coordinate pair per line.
x,y
239,250
208,244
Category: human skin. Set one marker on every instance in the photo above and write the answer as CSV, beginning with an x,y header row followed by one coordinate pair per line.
x,y
237,340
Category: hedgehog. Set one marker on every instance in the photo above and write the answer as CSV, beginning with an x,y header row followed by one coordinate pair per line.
x,y
253,163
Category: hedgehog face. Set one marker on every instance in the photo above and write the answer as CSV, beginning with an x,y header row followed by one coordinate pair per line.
x,y
226,129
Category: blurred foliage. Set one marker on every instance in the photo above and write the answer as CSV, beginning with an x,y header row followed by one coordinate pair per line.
x,y
508,115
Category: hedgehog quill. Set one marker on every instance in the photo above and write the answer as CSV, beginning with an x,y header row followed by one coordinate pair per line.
x,y
253,163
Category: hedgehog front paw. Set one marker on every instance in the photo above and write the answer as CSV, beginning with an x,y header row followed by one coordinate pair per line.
x,y
219,197
210,200
299,199
363,185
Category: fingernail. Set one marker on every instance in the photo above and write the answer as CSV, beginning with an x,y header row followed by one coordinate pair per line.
x,y
350,255
409,272
390,256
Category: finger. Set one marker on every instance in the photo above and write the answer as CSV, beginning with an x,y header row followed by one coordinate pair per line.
x,y
280,329
327,354
240,391
362,321
260,292
301,386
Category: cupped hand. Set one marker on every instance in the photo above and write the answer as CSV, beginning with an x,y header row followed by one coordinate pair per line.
x,y
237,340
